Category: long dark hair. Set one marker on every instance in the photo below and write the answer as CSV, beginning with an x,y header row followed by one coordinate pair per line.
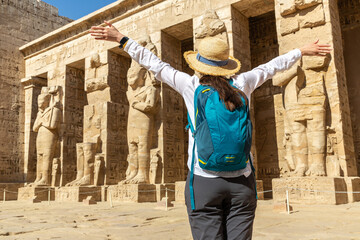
x,y
228,94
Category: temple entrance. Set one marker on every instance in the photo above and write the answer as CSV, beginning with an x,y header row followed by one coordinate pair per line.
x,y
73,118
263,48
255,42
349,11
175,40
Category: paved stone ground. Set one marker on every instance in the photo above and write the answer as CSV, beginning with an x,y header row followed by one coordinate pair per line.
x,y
24,220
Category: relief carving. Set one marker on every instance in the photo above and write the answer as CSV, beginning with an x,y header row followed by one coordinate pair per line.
x,y
304,99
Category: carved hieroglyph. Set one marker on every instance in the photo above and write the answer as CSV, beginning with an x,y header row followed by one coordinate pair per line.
x,y
47,125
143,95
304,101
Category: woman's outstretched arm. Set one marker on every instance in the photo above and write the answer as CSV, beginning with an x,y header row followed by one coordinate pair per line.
x,y
257,76
163,71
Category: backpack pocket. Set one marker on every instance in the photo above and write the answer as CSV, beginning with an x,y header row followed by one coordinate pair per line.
x,y
204,143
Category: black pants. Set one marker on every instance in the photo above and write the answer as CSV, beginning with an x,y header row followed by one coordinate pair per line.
x,y
225,207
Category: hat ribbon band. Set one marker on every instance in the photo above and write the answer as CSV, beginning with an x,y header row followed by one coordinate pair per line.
x,y
211,62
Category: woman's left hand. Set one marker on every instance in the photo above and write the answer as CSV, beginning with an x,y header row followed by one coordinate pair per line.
x,y
109,33
315,49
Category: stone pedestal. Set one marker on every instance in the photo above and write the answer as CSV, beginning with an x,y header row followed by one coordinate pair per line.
x,y
180,192
133,193
78,194
311,190
40,192
11,191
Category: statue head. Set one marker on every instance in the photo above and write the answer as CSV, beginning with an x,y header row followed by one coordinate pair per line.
x,y
95,60
56,161
44,98
136,75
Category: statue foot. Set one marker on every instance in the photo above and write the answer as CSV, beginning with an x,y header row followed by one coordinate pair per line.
x,y
34,183
299,171
42,182
85,180
71,183
129,177
140,178
316,170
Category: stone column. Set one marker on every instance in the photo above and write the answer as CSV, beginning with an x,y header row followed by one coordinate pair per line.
x,y
300,22
105,116
316,101
32,87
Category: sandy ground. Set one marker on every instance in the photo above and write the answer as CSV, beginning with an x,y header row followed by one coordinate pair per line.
x,y
24,220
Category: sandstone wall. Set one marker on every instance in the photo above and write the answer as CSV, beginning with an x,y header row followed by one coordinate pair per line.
x,y
21,21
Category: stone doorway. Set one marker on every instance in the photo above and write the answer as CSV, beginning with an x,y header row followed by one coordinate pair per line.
x,y
349,11
73,118
175,40
263,48
255,42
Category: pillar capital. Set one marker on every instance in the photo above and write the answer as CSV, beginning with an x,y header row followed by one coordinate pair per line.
x,y
31,82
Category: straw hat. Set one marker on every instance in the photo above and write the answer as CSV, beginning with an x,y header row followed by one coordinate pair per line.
x,y
213,58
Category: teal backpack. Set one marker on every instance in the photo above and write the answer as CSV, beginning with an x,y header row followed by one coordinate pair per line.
x,y
223,138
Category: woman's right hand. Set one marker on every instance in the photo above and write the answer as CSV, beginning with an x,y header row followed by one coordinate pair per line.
x,y
315,49
109,33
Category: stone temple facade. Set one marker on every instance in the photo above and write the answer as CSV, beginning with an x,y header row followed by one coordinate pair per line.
x,y
78,116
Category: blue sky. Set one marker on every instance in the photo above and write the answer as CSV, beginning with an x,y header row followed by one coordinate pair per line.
x,y
76,9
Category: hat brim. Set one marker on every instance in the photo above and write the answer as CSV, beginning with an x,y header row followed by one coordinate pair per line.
x,y
232,67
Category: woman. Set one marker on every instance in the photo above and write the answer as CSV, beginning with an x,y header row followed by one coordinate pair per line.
x,y
225,210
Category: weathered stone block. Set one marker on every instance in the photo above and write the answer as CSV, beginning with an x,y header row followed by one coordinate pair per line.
x,y
180,192
333,166
38,193
302,4
132,193
289,25
287,7
310,190
77,194
312,17
314,62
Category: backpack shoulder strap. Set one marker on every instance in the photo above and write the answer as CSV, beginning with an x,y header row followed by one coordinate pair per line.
x,y
199,90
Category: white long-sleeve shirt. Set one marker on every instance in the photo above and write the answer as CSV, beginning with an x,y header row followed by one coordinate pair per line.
x,y
186,85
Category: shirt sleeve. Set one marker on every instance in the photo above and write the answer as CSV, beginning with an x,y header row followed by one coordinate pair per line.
x,y
253,79
162,71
